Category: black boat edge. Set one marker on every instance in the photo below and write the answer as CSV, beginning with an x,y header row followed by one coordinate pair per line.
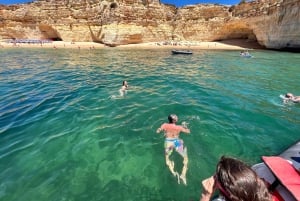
x,y
182,52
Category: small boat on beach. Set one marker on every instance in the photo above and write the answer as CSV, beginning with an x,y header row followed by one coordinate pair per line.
x,y
182,52
282,172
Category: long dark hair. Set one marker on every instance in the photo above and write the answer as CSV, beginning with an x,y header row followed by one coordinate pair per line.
x,y
240,182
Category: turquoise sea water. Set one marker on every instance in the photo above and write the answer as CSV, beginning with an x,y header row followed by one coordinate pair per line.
x,y
66,135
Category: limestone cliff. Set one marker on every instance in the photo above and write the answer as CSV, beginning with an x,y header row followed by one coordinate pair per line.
x,y
273,23
279,26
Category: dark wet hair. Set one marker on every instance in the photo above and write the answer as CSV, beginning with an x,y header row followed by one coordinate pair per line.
x,y
171,118
240,181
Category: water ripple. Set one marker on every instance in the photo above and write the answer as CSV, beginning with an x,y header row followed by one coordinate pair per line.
x,y
58,119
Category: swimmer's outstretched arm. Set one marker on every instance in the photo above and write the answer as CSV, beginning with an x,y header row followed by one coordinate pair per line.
x,y
296,99
186,130
159,130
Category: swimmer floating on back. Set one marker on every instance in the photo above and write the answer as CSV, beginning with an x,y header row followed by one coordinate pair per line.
x,y
172,141
291,97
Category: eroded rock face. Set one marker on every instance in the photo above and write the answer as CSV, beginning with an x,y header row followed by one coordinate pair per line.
x,y
280,28
273,23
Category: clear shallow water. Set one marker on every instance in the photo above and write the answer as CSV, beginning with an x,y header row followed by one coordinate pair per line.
x,y
63,136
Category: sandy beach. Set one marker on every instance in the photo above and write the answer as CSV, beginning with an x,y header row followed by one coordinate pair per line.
x,y
222,45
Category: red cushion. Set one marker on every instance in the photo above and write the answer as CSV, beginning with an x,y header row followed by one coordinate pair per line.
x,y
276,196
285,173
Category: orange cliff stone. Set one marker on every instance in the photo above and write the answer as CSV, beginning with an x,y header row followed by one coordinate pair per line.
x,y
122,22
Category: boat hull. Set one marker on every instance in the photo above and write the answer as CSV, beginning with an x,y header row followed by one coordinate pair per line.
x,y
292,155
181,52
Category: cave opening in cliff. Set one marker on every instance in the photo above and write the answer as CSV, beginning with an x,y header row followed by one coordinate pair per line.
x,y
50,33
113,5
238,34
56,39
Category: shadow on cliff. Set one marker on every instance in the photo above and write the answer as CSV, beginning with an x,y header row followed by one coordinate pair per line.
x,y
96,38
250,44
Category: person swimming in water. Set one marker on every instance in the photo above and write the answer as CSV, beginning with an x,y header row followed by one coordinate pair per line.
x,y
124,88
172,141
291,97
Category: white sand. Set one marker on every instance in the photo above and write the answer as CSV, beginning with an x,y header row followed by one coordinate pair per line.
x,y
226,45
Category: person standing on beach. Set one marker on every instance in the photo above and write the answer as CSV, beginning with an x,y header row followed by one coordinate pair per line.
x,y
172,141
124,88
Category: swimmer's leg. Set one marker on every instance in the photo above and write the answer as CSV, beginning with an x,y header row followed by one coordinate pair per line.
x,y
171,165
185,166
182,150
168,151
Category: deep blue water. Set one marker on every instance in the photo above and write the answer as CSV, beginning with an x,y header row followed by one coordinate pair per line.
x,y
67,135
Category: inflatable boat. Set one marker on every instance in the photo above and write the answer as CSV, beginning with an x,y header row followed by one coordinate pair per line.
x,y
182,52
245,54
282,172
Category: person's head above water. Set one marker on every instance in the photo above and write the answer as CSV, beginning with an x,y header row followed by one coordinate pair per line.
x,y
289,95
172,118
125,83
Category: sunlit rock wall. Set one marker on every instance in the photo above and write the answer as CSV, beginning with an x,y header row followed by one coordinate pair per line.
x,y
273,23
